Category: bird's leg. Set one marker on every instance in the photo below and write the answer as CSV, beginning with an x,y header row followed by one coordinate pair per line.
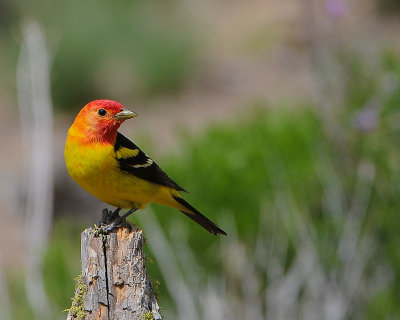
x,y
115,214
126,214
104,217
119,221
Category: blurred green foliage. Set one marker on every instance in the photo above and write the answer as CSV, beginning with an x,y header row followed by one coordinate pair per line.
x,y
62,262
110,49
388,6
235,173
19,304
235,170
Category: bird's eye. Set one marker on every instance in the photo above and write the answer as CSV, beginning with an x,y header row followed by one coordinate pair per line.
x,y
102,112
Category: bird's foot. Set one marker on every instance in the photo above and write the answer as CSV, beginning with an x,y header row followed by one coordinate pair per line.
x,y
108,216
110,220
105,229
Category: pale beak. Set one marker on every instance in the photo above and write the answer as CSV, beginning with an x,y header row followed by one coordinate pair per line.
x,y
125,114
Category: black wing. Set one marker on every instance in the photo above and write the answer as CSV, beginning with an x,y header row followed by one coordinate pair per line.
x,y
133,160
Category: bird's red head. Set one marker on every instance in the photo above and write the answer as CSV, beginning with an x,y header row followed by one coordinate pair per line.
x,y
100,119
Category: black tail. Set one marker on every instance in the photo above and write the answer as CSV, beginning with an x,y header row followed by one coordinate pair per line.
x,y
193,214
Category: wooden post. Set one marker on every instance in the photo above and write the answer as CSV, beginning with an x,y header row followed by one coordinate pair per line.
x,y
114,284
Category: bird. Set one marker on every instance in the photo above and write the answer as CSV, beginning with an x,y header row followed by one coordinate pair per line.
x,y
116,171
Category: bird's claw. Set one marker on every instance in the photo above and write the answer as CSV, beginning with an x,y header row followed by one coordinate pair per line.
x,y
124,224
106,229
110,220
108,216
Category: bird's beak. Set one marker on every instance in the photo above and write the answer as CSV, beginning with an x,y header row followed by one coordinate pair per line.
x,y
125,114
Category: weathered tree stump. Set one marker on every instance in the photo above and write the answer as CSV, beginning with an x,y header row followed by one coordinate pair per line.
x,y
114,284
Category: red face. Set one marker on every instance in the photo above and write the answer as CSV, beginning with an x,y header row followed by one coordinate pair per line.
x,y
102,118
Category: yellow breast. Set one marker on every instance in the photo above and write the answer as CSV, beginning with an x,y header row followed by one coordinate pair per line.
x,y
95,168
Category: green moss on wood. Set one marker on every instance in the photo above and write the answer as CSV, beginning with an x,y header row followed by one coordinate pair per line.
x,y
77,310
147,316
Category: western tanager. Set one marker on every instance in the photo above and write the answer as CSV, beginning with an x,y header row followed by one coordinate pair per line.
x,y
113,169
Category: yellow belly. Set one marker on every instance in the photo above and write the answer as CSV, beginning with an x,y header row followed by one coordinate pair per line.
x,y
96,170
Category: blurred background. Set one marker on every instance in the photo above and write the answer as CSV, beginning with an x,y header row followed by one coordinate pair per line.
x,y
282,119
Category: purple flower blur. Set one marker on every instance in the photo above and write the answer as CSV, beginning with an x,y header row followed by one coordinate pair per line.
x,y
335,8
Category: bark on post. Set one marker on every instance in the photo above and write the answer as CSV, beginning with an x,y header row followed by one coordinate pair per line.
x,y
114,283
